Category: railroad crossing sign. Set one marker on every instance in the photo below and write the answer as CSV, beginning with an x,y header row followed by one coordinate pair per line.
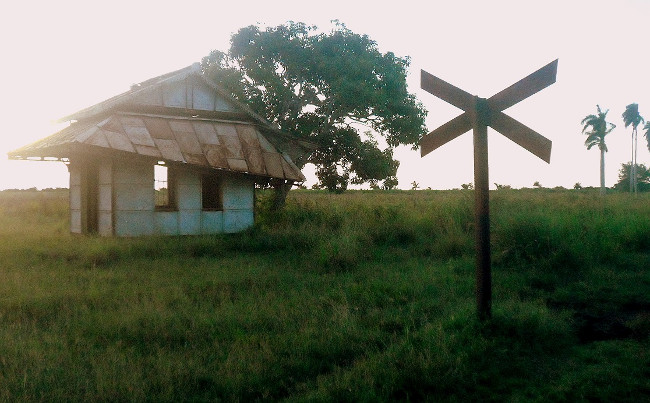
x,y
479,113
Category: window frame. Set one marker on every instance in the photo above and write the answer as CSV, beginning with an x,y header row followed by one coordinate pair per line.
x,y
171,202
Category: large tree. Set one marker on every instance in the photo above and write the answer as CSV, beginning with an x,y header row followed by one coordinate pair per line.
x,y
596,127
335,90
647,133
631,117
642,178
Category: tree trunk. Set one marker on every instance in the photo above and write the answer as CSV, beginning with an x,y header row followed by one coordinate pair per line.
x,y
280,194
631,178
634,181
602,171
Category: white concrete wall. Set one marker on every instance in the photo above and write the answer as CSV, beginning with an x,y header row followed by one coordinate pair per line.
x,y
238,203
191,219
211,222
126,202
189,202
105,198
133,193
75,198
166,222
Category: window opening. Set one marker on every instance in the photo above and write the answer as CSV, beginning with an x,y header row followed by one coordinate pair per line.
x,y
163,187
210,192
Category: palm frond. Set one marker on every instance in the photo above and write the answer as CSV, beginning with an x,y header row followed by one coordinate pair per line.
x,y
631,116
596,127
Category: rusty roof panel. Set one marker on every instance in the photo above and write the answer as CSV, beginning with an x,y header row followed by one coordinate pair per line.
x,y
255,161
112,125
216,156
118,141
225,145
226,129
232,146
273,163
134,121
265,144
185,136
181,126
148,151
159,128
137,132
169,150
98,139
140,136
83,134
290,172
196,159
188,143
206,132
237,164
248,136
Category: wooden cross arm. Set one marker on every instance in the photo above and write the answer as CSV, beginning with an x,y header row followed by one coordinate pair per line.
x,y
524,88
445,91
445,133
480,112
522,135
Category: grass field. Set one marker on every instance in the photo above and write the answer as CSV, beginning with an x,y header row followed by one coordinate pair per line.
x,y
364,296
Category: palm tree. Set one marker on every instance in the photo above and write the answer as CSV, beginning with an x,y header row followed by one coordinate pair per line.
x,y
632,117
647,133
596,127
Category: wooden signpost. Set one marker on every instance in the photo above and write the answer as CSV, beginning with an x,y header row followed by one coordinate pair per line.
x,y
479,113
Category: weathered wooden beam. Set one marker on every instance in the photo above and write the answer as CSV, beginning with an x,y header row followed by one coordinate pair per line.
x,y
522,135
445,91
445,133
522,89
479,116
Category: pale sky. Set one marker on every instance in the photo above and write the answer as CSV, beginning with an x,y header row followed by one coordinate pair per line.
x,y
60,57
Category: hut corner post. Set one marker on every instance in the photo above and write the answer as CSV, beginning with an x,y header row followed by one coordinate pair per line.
x,y
480,120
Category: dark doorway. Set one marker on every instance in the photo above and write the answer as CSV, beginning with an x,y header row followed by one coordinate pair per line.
x,y
90,192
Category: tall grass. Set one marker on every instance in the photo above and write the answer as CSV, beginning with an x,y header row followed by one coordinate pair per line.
x,y
364,296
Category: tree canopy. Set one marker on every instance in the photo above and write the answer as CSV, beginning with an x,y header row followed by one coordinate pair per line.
x,y
335,89
642,176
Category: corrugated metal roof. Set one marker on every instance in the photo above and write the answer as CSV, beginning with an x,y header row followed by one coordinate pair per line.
x,y
233,146
131,123
294,147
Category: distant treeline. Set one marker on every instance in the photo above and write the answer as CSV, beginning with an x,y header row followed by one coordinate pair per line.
x,y
33,189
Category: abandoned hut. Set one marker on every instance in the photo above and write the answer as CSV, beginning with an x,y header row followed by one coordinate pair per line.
x,y
174,155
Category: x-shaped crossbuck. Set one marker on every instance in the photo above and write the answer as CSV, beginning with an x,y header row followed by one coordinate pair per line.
x,y
479,113
488,112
